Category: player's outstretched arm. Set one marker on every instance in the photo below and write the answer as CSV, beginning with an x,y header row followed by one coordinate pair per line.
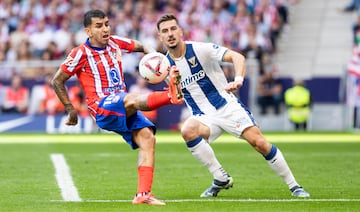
x,y
58,83
141,47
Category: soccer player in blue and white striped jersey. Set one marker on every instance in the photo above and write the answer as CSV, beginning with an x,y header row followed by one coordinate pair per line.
x,y
215,109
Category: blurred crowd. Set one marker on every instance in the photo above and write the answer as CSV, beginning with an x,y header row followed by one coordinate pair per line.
x,y
36,35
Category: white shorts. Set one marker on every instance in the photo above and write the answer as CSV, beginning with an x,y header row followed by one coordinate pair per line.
x,y
233,118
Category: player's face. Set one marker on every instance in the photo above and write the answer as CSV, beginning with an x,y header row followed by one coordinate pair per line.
x,y
98,32
170,33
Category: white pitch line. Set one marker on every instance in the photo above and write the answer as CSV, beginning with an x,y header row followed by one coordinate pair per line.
x,y
64,179
234,200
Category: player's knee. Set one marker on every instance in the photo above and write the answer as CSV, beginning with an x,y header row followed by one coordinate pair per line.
x,y
262,145
189,131
130,104
129,100
145,138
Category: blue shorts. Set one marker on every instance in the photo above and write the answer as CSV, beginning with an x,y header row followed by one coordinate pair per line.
x,y
111,116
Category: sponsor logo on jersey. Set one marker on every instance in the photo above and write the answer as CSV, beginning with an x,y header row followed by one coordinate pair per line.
x,y
215,46
193,78
115,89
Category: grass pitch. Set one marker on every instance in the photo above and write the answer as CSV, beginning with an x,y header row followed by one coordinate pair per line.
x,y
103,169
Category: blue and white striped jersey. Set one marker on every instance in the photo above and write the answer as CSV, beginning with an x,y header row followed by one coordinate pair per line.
x,y
202,79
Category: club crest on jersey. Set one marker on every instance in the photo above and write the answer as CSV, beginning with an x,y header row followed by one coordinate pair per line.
x,y
193,62
215,46
115,77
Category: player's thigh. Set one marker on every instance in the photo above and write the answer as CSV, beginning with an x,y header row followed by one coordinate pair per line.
x,y
235,118
210,128
193,128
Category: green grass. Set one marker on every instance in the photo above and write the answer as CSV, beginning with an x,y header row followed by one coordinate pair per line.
x,y
104,171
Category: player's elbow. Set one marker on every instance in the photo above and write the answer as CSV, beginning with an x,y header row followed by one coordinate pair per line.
x,y
54,83
233,56
239,57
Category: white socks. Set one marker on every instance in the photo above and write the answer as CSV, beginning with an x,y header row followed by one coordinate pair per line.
x,y
277,163
203,152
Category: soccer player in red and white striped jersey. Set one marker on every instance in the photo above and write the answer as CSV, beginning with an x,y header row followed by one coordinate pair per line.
x,y
97,65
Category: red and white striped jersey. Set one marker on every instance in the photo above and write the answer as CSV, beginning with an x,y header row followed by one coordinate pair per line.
x,y
99,70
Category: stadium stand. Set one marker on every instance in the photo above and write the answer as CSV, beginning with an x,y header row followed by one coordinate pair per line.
x,y
313,45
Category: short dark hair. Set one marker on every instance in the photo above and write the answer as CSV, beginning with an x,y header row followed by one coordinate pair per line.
x,y
167,17
92,14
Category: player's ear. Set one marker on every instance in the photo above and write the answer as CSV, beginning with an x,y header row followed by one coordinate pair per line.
x,y
88,32
159,37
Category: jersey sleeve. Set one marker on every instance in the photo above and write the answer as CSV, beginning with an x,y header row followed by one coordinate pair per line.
x,y
73,62
126,44
215,51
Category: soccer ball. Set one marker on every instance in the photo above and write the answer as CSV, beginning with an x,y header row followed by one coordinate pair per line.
x,y
154,67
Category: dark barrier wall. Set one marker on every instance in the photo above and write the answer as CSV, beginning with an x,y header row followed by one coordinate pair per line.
x,y
323,90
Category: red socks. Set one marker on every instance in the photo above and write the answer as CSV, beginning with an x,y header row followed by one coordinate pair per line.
x,y
145,174
157,99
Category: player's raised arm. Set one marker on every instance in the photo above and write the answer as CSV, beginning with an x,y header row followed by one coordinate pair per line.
x,y
238,60
141,47
58,83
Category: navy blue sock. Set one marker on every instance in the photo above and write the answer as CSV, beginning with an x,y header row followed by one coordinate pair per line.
x,y
194,142
272,153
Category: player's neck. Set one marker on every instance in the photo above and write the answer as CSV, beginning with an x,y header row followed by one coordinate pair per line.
x,y
178,52
91,43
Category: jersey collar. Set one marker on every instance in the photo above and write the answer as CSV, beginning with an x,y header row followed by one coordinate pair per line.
x,y
93,47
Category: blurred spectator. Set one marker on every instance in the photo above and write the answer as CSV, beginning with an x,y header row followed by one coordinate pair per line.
x,y
141,87
353,5
356,31
75,14
60,8
54,52
254,44
269,90
283,10
32,8
23,59
19,35
268,64
62,36
267,17
77,98
241,18
30,29
216,13
4,47
2,88
298,101
4,30
16,97
49,102
123,24
40,39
